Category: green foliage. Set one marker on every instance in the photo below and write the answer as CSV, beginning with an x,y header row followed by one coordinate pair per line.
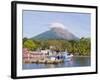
x,y
84,46
25,39
30,45
76,47
80,47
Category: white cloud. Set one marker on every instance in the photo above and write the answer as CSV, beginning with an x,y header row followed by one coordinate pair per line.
x,y
57,25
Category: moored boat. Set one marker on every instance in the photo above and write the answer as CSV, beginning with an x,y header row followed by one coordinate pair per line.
x,y
67,56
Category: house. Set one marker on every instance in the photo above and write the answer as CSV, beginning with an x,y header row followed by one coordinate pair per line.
x,y
33,55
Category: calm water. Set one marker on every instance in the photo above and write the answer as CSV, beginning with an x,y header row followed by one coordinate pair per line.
x,y
75,62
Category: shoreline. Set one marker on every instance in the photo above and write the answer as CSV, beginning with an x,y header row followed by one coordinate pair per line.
x,y
81,56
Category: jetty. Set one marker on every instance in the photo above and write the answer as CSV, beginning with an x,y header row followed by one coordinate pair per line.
x,y
45,61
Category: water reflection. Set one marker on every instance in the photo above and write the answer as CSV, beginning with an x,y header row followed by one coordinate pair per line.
x,y
74,62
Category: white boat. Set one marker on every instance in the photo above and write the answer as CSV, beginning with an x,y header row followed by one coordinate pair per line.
x,y
61,55
67,56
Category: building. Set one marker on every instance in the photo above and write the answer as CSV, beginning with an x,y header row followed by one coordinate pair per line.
x,y
33,55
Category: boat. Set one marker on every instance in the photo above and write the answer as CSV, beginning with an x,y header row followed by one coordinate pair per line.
x,y
67,56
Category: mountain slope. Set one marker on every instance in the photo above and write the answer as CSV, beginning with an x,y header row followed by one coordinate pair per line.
x,y
56,33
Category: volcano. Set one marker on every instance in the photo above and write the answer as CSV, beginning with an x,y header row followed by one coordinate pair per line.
x,y
56,33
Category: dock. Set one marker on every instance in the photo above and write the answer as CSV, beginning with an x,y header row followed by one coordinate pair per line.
x,y
44,61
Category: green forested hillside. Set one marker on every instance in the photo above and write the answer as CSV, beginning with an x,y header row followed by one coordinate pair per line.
x,y
80,47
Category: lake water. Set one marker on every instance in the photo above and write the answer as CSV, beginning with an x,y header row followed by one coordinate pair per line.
x,y
74,62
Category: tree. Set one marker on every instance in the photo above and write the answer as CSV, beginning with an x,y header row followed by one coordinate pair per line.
x,y
25,39
44,45
84,46
30,45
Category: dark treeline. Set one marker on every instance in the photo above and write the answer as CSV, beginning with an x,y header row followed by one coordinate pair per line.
x,y
80,47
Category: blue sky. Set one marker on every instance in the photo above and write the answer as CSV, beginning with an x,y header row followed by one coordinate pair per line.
x,y
36,22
